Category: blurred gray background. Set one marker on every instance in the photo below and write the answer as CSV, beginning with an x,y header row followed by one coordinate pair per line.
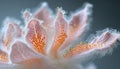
x,y
106,13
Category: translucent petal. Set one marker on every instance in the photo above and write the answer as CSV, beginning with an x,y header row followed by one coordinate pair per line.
x,y
60,33
43,13
10,33
78,25
21,53
36,36
100,45
3,57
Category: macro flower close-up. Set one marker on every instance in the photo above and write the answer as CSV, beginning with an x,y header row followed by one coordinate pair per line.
x,y
50,40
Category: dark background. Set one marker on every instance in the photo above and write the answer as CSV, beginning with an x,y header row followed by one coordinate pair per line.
x,y
106,14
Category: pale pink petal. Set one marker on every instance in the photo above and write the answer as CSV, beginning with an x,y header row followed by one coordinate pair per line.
x,y
3,57
101,45
10,33
21,52
60,32
43,13
78,25
36,36
26,15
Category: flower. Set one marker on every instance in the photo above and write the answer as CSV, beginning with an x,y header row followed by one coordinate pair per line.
x,y
46,41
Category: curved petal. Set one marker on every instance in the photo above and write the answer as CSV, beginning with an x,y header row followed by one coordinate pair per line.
x,y
36,36
43,13
26,15
21,52
100,45
78,25
60,32
3,57
11,32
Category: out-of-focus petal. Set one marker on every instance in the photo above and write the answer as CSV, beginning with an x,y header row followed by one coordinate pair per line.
x,y
100,45
26,15
44,14
35,64
90,66
21,52
78,25
36,36
13,31
3,57
60,32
